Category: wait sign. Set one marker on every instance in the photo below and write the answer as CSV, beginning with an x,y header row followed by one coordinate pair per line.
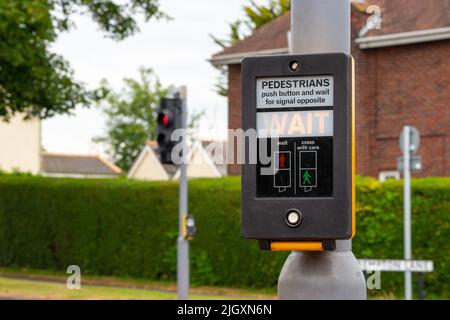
x,y
296,123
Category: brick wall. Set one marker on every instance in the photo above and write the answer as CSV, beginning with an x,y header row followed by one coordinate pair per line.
x,y
366,99
394,86
413,87
234,107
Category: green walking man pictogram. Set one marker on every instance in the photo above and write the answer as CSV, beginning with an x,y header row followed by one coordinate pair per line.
x,y
307,177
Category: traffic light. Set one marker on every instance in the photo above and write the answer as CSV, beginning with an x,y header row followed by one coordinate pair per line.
x,y
168,119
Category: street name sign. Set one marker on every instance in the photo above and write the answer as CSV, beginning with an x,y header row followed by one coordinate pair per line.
x,y
396,265
301,107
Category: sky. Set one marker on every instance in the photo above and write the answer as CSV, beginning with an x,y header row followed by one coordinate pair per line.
x,y
177,50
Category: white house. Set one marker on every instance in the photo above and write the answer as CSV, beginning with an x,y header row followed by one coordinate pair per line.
x,y
200,165
20,144
20,150
147,165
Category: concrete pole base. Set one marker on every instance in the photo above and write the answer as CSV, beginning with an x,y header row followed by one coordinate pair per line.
x,y
329,275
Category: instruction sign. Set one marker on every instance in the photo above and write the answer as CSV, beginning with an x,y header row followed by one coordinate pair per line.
x,y
294,92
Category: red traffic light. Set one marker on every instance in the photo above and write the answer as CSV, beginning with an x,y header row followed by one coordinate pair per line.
x,y
164,119
282,160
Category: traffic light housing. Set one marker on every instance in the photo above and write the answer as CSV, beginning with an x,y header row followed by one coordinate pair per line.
x,y
188,227
168,120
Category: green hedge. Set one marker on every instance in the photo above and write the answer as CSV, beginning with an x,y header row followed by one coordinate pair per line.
x,y
129,229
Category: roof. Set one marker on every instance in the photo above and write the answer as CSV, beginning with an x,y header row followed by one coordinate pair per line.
x,y
53,163
398,16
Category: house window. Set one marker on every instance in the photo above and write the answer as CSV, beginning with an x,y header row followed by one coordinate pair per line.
x,y
385,175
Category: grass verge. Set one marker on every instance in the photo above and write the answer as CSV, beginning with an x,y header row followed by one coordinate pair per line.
x,y
38,284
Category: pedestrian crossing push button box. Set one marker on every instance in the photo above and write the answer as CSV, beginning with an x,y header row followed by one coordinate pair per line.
x,y
304,123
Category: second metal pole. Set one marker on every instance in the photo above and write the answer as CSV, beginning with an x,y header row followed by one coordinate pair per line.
x,y
182,243
407,208
321,26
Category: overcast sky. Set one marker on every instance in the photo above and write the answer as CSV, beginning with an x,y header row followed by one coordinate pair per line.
x,y
177,50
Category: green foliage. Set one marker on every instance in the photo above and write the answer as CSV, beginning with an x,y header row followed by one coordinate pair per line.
x,y
129,229
259,15
32,79
38,82
115,18
130,116
255,17
380,228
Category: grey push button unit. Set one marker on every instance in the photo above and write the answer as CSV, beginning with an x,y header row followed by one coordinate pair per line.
x,y
301,107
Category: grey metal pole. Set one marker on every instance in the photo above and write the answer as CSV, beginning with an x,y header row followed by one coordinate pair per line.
x,y
182,243
421,288
407,208
321,26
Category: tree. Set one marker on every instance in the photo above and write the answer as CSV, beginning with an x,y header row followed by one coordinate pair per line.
x,y
255,17
33,79
130,116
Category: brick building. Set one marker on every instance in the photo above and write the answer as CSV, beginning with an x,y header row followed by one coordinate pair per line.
x,y
402,77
